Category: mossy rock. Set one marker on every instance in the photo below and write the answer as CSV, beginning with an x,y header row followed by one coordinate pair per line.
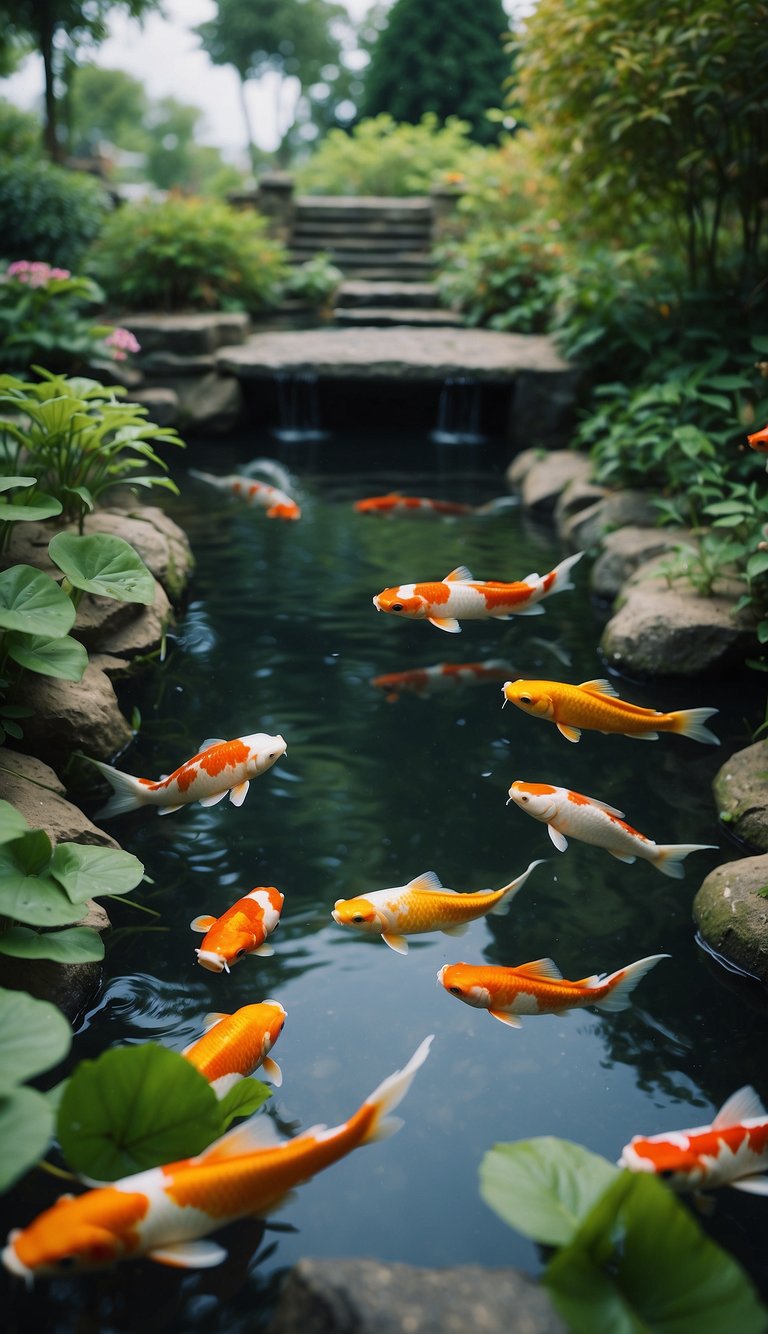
x,y
731,912
741,793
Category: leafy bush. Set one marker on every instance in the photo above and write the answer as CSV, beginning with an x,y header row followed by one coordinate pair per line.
x,y
315,281
41,318
47,210
187,254
504,279
380,157
20,131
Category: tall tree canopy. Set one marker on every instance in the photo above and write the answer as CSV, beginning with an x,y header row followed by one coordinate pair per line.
x,y
447,58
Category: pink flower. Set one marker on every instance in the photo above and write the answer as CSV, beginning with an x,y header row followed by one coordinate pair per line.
x,y
34,272
122,341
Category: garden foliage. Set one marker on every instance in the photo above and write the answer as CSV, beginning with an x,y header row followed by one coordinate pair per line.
x,y
381,157
48,211
42,318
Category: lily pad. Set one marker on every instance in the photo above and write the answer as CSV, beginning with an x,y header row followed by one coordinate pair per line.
x,y
33,602
544,1187
104,565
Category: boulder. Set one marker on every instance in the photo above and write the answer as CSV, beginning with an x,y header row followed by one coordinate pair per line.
x,y
620,509
545,481
162,404
162,545
625,550
741,793
212,403
187,334
577,495
123,629
366,1297
74,715
38,793
731,913
521,465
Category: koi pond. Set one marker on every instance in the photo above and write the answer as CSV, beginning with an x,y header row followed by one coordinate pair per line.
x,y
280,635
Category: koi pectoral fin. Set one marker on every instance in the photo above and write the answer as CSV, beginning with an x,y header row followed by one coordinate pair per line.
x,y
559,840
397,943
214,800
460,929
168,810
238,794
272,1071
203,923
265,951
189,1255
756,1185
447,623
570,733
504,1018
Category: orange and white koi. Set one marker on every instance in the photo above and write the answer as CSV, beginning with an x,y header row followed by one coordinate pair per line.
x,y
441,676
461,597
596,705
395,503
166,1213
220,767
759,440
241,930
540,988
592,821
732,1151
277,503
420,906
233,1046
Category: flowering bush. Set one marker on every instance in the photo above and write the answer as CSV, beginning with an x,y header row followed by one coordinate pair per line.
x,y
42,320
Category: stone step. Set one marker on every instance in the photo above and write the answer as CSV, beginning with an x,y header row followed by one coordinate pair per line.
x,y
355,292
377,228
386,316
386,273
392,209
355,246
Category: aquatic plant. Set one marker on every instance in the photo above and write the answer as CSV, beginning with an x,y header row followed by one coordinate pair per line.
x,y
629,1255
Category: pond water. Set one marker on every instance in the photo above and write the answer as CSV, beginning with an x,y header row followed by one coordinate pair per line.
x,y
280,635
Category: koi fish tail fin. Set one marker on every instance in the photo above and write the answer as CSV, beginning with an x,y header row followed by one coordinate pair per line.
x,y
690,722
127,792
498,505
669,857
386,1097
205,477
623,982
509,891
561,575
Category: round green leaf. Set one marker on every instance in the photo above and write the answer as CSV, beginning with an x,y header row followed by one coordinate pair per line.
x,y
26,1127
133,1108
543,1187
84,872
34,1035
243,1099
12,823
33,602
104,565
64,658
27,894
11,483
42,507
79,944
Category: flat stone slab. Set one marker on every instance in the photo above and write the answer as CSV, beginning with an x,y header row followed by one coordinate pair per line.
x,y
401,353
731,913
361,317
741,793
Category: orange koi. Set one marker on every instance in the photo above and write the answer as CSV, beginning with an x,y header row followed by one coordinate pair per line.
x,y
425,681
759,440
166,1213
220,767
241,930
459,596
233,1046
395,503
422,905
592,821
540,988
596,705
732,1151
277,504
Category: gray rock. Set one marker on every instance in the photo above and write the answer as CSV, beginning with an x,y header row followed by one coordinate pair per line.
x,y
74,715
620,509
123,629
366,1297
731,913
38,793
673,631
625,550
741,793
521,465
578,495
211,403
187,334
158,365
162,404
545,481
543,410
160,542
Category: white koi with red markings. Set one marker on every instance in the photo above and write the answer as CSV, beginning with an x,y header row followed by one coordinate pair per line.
x,y
732,1151
591,821
440,676
461,597
277,503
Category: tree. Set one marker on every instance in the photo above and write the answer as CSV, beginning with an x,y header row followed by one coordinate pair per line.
x,y
289,38
58,29
105,106
446,58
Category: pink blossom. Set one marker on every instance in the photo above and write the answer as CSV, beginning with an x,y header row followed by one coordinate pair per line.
x,y
34,272
122,341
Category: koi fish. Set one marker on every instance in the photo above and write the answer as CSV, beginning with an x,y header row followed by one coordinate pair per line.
x,y
234,1045
166,1213
396,503
592,821
422,905
441,676
732,1151
596,705
759,441
459,596
270,498
540,988
241,930
220,767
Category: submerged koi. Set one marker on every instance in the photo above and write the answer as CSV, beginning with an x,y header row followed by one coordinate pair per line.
x,y
732,1151
167,1212
540,988
592,821
234,1045
220,767
422,506
422,905
460,597
270,498
241,930
596,705
425,681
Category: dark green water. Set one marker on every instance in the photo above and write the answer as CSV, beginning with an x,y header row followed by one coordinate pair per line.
x,y
280,635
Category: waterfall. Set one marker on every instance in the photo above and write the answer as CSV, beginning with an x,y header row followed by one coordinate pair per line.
x,y
458,412
298,407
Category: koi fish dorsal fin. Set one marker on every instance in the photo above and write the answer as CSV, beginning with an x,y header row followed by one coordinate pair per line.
x,y
214,1018
428,880
210,741
202,923
257,1133
461,572
546,969
599,687
743,1105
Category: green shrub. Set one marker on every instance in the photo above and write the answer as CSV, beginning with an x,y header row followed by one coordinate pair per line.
x,y
315,281
42,319
20,131
187,254
380,157
47,212
502,278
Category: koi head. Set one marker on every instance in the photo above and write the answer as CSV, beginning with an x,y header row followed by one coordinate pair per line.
x,y
759,440
459,980
402,601
88,1232
275,1016
530,696
360,914
264,751
536,799
226,944
670,1158
284,510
